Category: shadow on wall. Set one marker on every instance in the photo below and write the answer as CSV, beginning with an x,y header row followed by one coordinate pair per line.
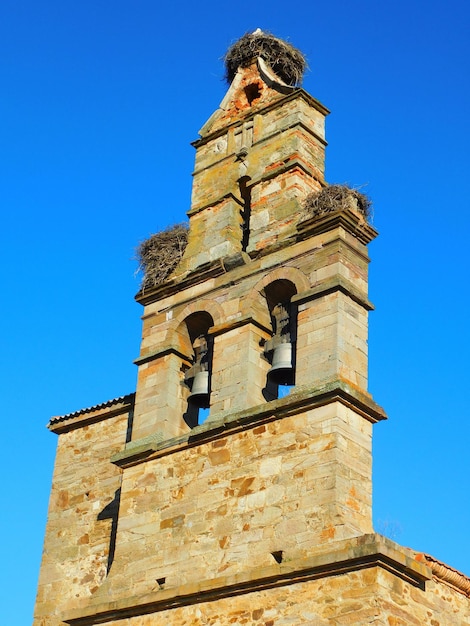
x,y
111,511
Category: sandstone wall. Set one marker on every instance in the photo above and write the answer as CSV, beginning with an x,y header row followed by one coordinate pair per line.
x,y
371,596
83,511
225,506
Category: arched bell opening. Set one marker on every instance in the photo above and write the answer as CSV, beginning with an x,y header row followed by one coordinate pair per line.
x,y
280,349
197,378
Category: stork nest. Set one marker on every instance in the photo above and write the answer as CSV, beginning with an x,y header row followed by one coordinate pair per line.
x,y
160,254
337,198
286,61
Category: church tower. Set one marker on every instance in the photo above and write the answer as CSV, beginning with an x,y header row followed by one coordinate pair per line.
x,y
234,486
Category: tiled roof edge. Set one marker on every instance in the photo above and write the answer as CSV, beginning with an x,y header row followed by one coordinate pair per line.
x,y
127,399
447,574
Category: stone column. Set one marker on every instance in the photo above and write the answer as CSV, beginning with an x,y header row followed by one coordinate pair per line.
x,y
238,369
331,338
161,398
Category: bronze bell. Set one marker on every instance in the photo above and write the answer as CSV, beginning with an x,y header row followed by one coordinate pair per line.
x,y
282,368
199,374
199,395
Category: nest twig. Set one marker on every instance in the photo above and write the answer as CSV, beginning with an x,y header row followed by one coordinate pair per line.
x,y
160,254
337,198
286,61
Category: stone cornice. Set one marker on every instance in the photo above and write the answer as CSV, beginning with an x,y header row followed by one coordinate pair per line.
x,y
302,399
295,162
214,330
351,221
237,322
229,195
343,557
348,221
161,352
330,285
172,286
298,123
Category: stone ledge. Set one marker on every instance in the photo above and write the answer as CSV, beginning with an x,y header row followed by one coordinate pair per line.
x,y
364,552
303,399
330,285
349,221
214,330
291,125
175,284
161,352
295,162
354,223
229,195
237,322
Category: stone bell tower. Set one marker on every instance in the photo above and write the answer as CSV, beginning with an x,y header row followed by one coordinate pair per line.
x,y
212,496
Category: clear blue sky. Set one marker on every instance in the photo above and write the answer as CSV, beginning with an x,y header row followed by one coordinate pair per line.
x,y
99,103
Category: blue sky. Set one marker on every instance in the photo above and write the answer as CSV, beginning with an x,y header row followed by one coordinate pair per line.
x,y
99,103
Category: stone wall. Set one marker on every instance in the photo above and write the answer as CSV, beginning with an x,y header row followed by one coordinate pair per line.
x,y
363,580
83,509
223,507
370,596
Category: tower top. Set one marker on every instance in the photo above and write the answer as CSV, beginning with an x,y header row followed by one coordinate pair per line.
x,y
287,62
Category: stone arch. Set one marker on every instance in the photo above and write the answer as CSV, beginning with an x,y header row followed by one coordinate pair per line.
x,y
201,306
271,301
191,327
177,331
291,274
255,302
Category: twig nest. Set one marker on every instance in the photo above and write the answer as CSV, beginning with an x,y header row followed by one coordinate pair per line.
x,y
286,61
160,254
337,198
